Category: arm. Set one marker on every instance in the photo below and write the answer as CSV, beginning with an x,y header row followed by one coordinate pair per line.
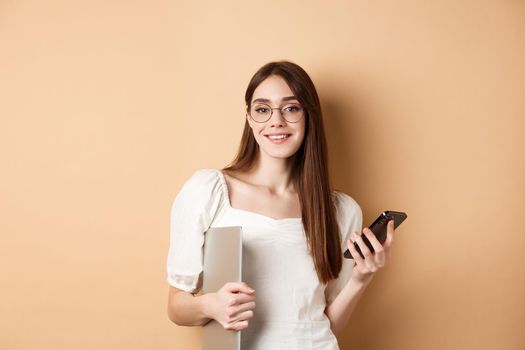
x,y
341,308
186,309
232,306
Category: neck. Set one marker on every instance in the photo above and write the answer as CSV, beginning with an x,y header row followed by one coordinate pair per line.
x,y
272,173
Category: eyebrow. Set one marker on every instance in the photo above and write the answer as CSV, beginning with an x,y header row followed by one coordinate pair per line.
x,y
287,98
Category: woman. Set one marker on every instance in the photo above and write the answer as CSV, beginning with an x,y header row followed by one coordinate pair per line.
x,y
295,227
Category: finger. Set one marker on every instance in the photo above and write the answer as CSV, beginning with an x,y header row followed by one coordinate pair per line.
x,y
351,247
240,298
362,245
243,316
242,325
359,262
244,307
243,298
373,240
233,312
238,326
369,260
235,287
379,252
370,264
389,233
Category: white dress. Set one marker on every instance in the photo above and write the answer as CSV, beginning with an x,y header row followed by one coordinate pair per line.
x,y
290,299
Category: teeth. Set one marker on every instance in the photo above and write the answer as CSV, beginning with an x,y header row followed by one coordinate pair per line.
x,y
278,137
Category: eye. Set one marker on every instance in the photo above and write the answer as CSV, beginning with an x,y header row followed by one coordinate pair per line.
x,y
292,108
261,110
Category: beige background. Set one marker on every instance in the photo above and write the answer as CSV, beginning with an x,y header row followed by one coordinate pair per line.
x,y
107,107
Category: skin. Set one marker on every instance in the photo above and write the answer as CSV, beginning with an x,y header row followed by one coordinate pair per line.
x,y
269,181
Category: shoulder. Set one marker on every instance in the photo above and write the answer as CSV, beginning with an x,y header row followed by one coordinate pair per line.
x,y
204,175
203,178
345,204
203,183
349,213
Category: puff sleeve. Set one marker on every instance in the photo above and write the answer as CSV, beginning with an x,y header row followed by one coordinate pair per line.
x,y
350,219
192,212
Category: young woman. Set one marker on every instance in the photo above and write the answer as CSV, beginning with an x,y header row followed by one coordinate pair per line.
x,y
295,227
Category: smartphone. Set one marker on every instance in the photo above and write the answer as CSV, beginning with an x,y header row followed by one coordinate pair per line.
x,y
378,227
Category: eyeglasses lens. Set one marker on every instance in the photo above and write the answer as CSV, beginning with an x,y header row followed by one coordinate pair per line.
x,y
261,112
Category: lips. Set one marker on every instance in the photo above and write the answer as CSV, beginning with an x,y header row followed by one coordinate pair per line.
x,y
278,138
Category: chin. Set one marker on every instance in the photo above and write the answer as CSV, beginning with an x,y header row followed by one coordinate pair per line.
x,y
278,151
284,154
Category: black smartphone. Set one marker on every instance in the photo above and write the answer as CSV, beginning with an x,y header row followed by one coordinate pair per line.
x,y
378,227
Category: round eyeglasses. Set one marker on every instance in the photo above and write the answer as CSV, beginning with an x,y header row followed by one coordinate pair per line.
x,y
261,112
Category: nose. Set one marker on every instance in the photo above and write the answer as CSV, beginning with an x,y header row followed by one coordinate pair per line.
x,y
277,117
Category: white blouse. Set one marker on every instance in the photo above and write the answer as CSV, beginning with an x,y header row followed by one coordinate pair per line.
x,y
276,263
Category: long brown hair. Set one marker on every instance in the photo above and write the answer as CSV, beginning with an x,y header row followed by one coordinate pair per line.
x,y
309,168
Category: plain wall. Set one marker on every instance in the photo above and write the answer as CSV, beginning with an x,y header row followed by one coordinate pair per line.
x,y
107,107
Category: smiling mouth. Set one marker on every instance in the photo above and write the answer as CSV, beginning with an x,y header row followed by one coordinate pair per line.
x,y
278,137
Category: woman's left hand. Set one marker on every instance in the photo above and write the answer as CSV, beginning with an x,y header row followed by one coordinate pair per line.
x,y
366,267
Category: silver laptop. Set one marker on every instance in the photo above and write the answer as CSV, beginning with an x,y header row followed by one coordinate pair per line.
x,y
222,263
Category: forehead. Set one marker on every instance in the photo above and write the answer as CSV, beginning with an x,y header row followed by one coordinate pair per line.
x,y
273,88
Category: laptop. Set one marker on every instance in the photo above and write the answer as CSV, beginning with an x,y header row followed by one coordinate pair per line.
x,y
222,263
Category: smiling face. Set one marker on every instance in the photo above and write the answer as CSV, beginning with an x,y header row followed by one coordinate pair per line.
x,y
275,92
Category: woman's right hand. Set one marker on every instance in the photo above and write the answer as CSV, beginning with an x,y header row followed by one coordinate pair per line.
x,y
232,305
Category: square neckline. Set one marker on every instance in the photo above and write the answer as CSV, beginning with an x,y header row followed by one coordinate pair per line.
x,y
266,217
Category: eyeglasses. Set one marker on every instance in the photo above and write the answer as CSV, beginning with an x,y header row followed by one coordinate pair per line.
x,y
261,112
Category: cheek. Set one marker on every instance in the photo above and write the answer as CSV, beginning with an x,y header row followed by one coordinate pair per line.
x,y
256,130
302,131
253,127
